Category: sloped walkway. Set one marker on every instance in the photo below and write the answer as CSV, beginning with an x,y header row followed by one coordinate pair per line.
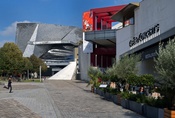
x,y
66,73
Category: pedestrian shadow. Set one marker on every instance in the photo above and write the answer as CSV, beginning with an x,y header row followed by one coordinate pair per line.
x,y
80,82
88,91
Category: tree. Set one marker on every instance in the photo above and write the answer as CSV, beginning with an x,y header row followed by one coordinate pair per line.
x,y
27,64
37,62
11,59
121,70
165,67
127,66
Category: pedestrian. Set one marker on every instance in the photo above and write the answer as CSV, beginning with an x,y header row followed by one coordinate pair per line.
x,y
141,91
9,86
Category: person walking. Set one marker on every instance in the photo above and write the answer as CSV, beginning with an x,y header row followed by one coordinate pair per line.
x,y
9,86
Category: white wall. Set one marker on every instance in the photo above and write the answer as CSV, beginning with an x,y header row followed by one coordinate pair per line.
x,y
84,63
152,12
149,14
123,37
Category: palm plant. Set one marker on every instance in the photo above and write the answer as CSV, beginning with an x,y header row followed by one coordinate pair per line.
x,y
94,74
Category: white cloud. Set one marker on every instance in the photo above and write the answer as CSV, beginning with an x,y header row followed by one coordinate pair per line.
x,y
10,30
8,34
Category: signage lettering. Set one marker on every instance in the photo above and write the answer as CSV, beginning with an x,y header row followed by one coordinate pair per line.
x,y
144,35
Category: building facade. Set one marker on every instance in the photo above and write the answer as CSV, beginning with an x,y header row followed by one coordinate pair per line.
x,y
153,23
145,25
54,44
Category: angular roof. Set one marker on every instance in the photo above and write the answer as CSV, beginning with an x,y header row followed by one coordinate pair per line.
x,y
127,11
105,13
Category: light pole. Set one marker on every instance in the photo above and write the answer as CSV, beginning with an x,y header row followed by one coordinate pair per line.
x,y
40,73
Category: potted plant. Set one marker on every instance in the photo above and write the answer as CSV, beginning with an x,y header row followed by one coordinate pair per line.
x,y
124,101
136,102
94,74
153,108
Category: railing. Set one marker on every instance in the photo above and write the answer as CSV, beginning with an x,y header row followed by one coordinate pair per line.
x,y
100,34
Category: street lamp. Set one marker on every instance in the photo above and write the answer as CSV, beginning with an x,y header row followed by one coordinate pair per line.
x,y
40,73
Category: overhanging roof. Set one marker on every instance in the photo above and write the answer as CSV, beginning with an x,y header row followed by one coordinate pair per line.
x,y
102,37
127,11
105,13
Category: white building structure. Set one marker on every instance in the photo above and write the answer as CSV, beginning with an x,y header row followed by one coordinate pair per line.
x,y
150,22
154,22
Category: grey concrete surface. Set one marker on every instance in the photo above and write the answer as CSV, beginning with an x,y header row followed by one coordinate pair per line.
x,y
57,99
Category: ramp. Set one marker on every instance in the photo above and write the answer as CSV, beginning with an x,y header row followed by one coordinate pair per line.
x,y
66,73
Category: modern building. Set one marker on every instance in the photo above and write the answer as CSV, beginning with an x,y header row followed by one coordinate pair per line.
x,y
97,26
153,22
55,44
145,25
99,39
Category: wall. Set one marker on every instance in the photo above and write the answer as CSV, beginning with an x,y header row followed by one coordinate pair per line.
x,y
123,37
146,67
149,14
84,63
152,12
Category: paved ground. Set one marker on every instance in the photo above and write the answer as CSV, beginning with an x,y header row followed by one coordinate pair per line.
x,y
57,99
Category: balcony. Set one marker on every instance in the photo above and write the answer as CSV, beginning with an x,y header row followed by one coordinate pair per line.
x,y
102,37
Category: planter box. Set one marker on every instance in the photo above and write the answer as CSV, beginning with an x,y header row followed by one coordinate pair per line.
x,y
114,99
98,91
119,99
169,113
153,112
136,107
125,103
102,93
107,96
95,90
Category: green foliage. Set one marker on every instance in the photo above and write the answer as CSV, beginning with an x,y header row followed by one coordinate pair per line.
x,y
165,67
111,72
36,63
137,98
105,77
133,79
120,71
127,66
27,65
125,95
147,80
165,63
159,103
143,80
112,91
94,74
11,60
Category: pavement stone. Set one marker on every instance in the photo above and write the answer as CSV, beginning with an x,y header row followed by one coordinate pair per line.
x,y
57,99
74,100
11,108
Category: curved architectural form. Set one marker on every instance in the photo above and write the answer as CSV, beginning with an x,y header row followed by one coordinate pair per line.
x,y
53,43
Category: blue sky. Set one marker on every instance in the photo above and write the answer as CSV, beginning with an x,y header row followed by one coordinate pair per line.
x,y
62,12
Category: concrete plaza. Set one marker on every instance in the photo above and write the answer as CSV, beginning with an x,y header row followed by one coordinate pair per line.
x,y
57,99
